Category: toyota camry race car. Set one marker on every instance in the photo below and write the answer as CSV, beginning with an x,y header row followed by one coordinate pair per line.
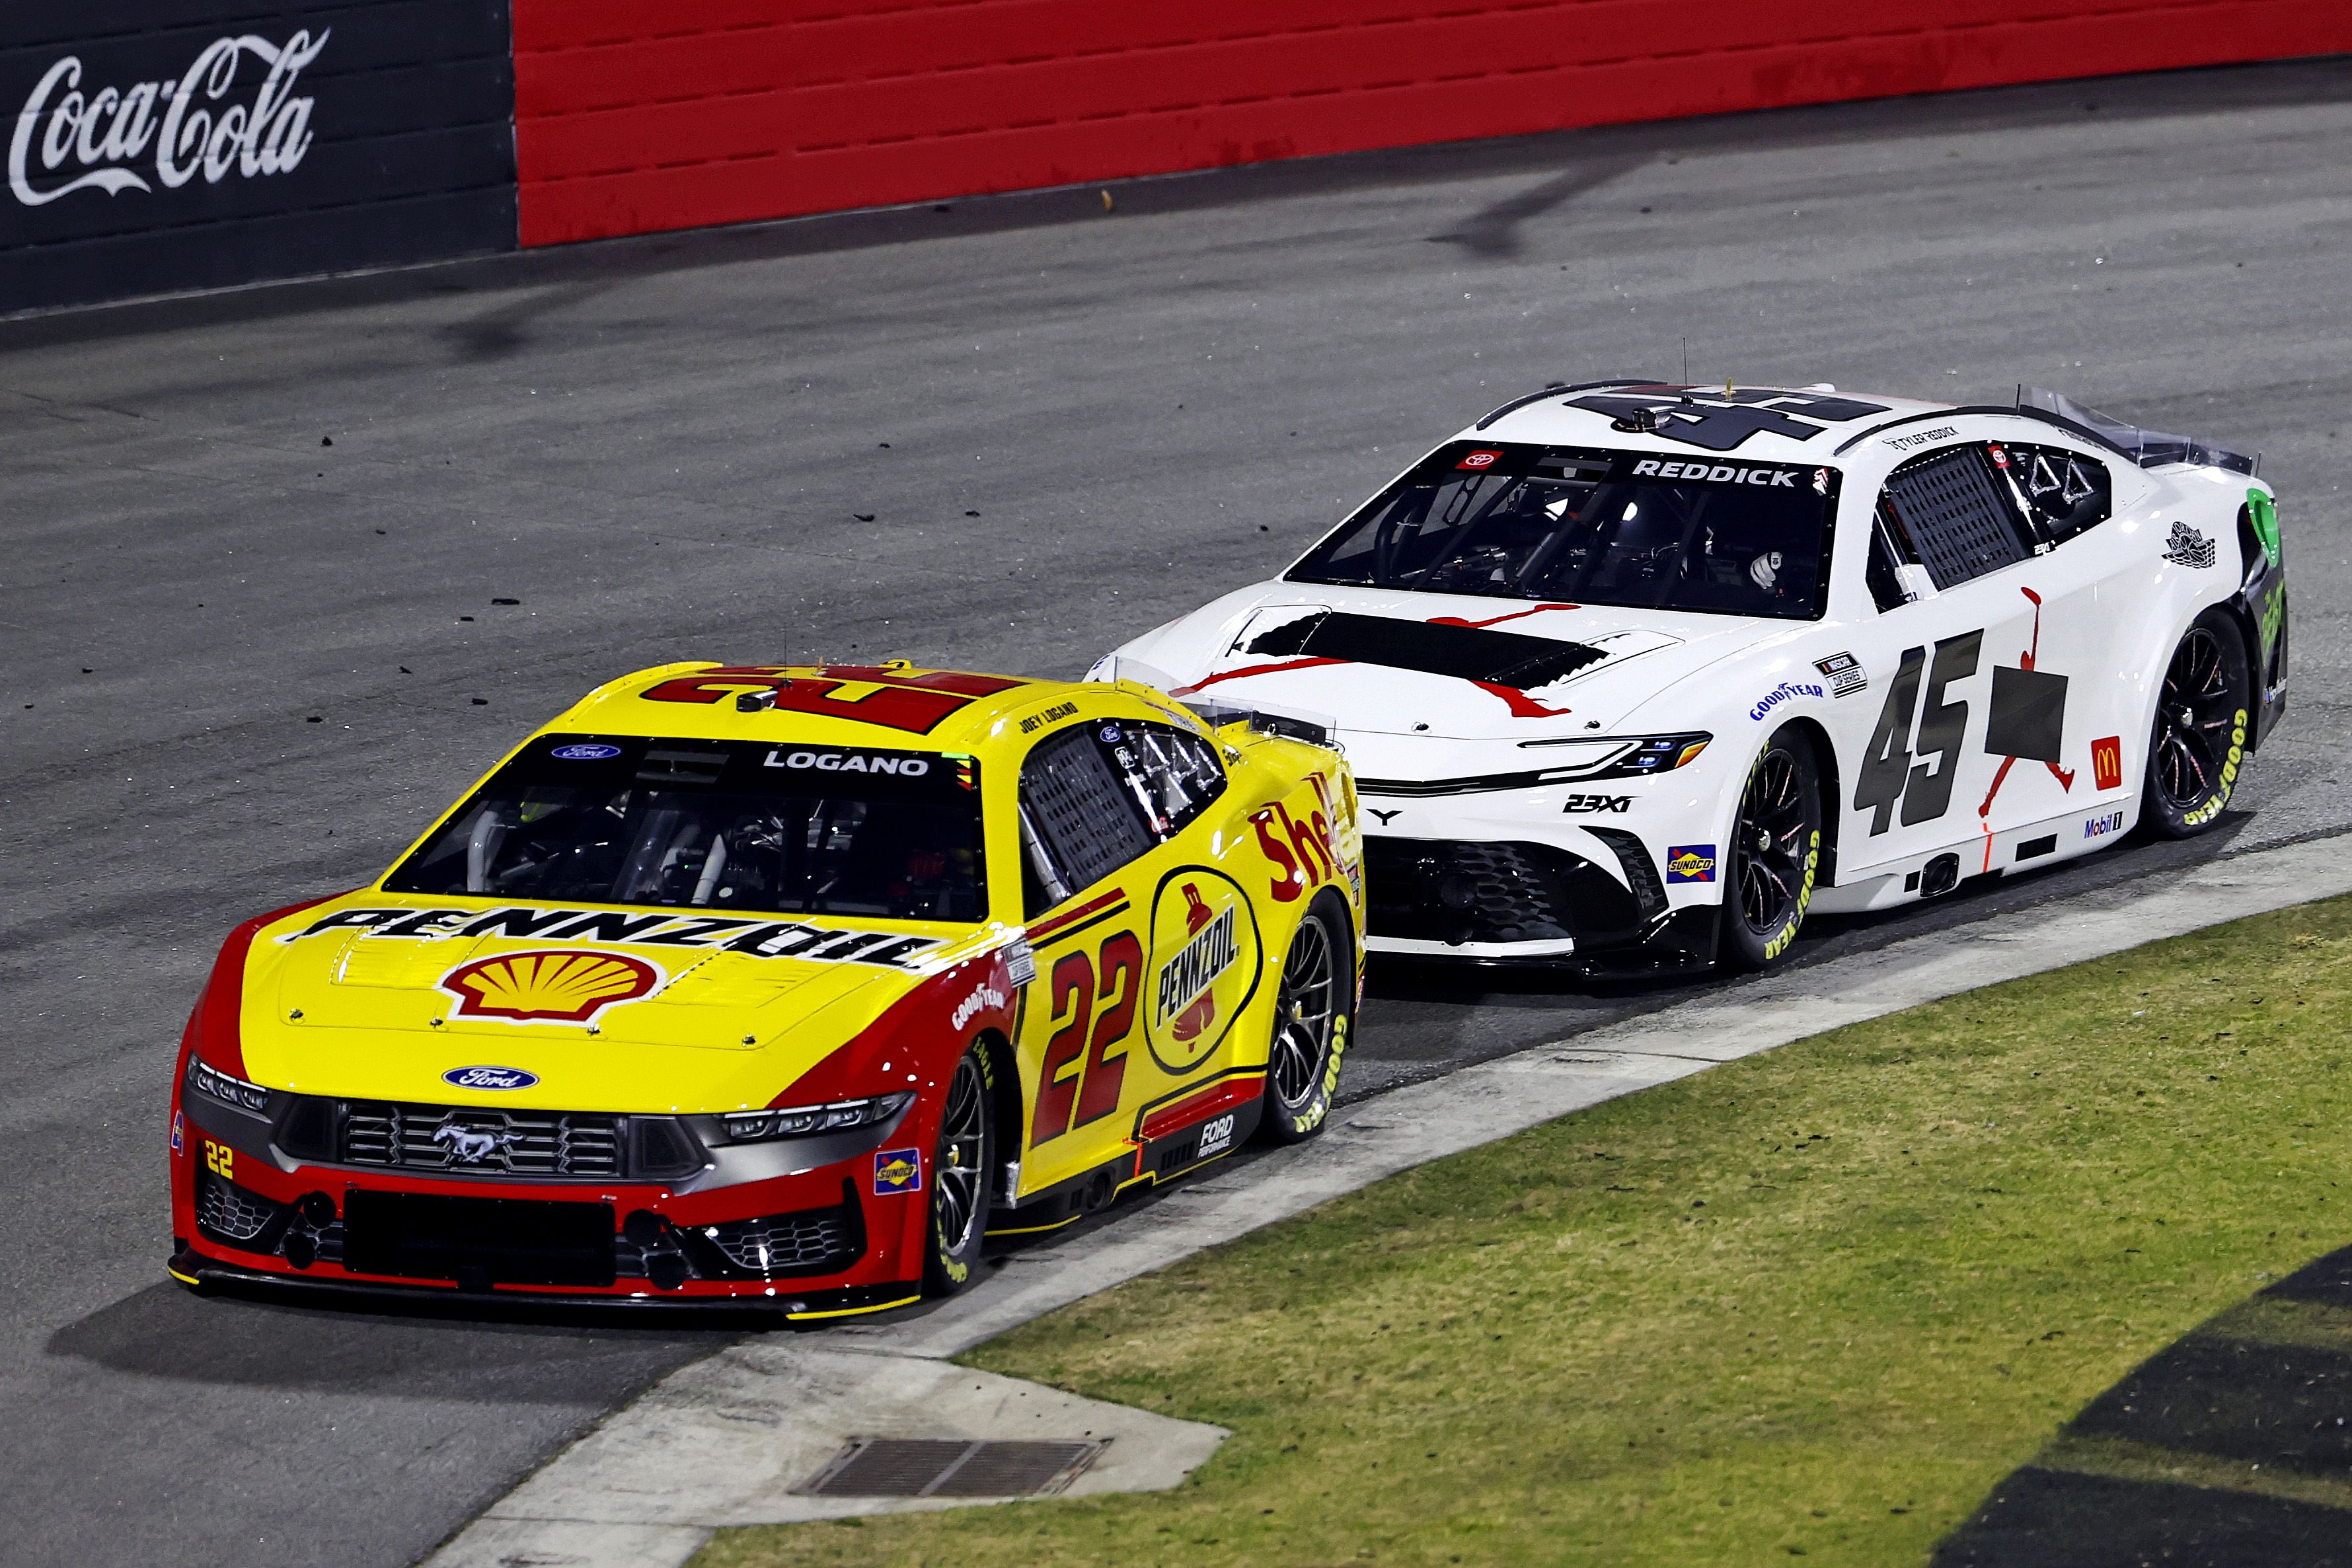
x,y
1633,674
785,985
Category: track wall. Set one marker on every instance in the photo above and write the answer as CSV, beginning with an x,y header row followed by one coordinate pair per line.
x,y
631,116
283,138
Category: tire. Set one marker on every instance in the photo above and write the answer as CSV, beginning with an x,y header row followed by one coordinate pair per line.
x,y
1775,852
2196,741
1312,1005
961,1163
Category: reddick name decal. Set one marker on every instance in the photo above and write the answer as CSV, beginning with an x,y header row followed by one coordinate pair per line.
x,y
109,138
1718,474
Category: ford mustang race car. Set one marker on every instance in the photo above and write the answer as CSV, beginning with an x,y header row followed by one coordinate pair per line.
x,y
780,986
1633,675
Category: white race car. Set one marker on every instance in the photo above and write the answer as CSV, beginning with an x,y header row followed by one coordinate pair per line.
x,y
1633,675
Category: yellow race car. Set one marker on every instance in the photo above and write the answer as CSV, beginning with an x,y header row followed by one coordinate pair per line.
x,y
781,984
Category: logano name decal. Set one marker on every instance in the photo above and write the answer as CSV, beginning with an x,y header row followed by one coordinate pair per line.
x,y
180,128
758,938
902,765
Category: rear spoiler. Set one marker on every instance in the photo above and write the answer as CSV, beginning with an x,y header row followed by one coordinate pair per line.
x,y
1314,728
2149,448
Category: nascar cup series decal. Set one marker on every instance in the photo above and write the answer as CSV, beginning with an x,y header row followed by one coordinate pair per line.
x,y
1205,939
553,987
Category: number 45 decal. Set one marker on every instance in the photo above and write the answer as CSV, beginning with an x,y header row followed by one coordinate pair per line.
x,y
1889,773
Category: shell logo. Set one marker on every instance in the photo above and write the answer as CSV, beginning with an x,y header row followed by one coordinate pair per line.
x,y
555,987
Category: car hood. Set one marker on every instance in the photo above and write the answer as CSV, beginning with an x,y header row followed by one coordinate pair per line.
x,y
1454,668
376,995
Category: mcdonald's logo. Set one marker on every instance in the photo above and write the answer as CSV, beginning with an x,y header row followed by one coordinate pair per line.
x,y
2107,762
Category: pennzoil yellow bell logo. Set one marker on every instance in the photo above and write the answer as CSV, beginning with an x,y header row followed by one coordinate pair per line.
x,y
1205,949
556,987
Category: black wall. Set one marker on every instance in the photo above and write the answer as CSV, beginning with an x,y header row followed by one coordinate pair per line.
x,y
411,155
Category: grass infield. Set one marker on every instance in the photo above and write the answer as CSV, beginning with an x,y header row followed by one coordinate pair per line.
x,y
1812,1303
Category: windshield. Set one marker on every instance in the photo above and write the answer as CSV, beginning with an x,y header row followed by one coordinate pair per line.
x,y
718,824
1632,528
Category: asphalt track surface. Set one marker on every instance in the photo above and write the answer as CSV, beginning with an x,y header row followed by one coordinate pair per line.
x,y
242,666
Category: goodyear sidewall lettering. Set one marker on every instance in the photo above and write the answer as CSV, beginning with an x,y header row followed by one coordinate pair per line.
x,y
2229,781
1208,959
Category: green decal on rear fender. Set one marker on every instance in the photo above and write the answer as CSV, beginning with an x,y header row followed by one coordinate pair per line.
x,y
2263,509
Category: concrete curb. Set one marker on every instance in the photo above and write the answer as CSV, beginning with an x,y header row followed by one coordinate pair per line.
x,y
715,1444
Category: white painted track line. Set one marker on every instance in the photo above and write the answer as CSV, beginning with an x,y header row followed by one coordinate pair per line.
x,y
719,1442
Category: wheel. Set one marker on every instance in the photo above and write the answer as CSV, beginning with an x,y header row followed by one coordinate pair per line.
x,y
966,1153
2199,740
1310,1026
1774,854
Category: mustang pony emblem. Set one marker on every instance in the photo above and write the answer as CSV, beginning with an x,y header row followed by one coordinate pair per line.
x,y
470,1146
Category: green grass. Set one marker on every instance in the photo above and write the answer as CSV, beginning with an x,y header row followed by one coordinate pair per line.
x,y
1814,1302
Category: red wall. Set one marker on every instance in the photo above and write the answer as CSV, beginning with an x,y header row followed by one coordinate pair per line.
x,y
635,115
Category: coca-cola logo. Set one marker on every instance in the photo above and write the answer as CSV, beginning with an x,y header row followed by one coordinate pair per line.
x,y
107,139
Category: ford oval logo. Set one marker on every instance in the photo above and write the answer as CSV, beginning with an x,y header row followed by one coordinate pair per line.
x,y
489,1078
586,751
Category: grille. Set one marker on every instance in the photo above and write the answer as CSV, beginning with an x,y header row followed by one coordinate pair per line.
x,y
488,1141
470,1138
229,1212
808,1241
929,1466
1957,520
1437,890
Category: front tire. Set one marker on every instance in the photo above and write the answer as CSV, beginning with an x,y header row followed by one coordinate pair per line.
x,y
961,1161
2197,742
1774,854
1311,1019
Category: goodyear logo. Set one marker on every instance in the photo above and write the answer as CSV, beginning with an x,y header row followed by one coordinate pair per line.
x,y
898,1170
1690,863
556,987
1185,980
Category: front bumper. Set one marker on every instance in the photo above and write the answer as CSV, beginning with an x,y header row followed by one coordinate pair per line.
x,y
1518,901
811,1237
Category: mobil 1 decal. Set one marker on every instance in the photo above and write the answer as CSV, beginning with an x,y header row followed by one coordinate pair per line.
x,y
2025,721
1205,963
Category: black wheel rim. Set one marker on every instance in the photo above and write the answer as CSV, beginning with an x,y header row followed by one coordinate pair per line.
x,y
958,1173
1303,1013
1774,835
2195,714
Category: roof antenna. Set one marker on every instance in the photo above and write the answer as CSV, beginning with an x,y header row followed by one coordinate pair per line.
x,y
1686,359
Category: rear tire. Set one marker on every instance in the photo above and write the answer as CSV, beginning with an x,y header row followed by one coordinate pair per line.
x,y
961,1163
1774,854
2197,744
1313,1005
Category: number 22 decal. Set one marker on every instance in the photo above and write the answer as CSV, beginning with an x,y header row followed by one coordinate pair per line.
x,y
1888,771
1078,982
